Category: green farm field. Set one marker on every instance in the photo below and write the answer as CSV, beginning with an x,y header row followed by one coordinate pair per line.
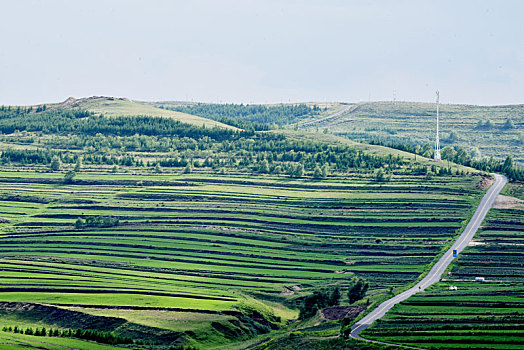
x,y
478,315
11,341
204,245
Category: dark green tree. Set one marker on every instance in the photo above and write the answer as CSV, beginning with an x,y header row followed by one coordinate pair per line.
x,y
56,164
357,290
509,124
264,167
317,173
69,177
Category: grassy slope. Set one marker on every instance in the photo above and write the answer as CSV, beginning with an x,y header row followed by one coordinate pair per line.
x,y
414,122
121,107
11,341
367,148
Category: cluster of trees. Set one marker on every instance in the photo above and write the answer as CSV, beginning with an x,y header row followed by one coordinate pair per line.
x,y
319,299
254,117
88,334
488,124
9,110
182,347
357,289
507,166
459,155
326,297
108,141
96,221
29,156
76,121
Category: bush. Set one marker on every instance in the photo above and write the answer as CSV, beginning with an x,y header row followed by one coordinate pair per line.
x,y
69,177
97,221
56,164
380,176
319,299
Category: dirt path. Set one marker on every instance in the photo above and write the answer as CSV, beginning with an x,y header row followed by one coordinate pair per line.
x,y
332,115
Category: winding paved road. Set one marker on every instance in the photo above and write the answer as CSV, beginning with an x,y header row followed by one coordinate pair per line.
x,y
436,271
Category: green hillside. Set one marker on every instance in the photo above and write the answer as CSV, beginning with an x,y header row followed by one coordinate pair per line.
x,y
176,235
112,106
485,128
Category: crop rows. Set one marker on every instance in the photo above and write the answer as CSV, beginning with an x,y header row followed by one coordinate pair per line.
x,y
199,242
478,315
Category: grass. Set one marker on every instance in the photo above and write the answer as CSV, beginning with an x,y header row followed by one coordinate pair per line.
x,y
172,320
219,256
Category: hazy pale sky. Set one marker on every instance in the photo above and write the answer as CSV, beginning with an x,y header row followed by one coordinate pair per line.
x,y
263,51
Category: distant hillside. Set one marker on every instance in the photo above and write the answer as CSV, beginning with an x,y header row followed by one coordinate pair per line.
x,y
111,106
495,130
248,116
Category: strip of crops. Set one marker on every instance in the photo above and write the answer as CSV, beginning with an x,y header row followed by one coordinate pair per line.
x,y
487,314
215,236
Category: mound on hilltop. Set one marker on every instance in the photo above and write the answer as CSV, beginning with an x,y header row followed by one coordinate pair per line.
x,y
121,106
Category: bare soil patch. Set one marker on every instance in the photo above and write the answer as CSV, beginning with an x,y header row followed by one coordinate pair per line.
x,y
341,312
507,202
485,182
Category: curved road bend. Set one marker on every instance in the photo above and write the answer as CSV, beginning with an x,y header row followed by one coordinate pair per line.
x,y
436,271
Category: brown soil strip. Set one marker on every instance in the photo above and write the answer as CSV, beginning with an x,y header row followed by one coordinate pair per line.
x,y
506,202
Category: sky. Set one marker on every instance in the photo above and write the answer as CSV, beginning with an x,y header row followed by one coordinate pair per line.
x,y
263,51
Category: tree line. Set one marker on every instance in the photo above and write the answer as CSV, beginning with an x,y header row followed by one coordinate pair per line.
x,y
100,140
87,334
255,117
459,155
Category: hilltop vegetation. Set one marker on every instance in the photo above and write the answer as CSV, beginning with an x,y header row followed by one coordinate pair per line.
x,y
112,106
491,131
257,117
400,125
77,136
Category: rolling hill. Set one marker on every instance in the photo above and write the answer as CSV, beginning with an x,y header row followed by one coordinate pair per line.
x,y
112,106
495,131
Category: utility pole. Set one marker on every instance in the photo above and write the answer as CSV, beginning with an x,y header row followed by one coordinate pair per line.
x,y
437,143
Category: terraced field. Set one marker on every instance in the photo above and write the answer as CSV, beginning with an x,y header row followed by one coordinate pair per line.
x,y
175,235
208,244
478,315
